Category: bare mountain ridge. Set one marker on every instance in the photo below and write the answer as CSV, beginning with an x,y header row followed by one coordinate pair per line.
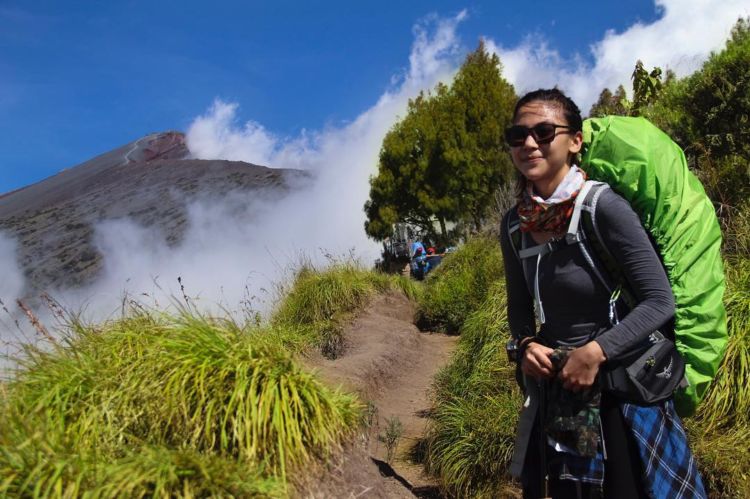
x,y
150,181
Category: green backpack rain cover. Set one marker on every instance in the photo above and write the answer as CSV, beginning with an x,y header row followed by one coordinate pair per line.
x,y
642,164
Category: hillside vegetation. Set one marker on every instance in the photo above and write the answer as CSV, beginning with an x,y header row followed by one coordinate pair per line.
x,y
459,286
182,405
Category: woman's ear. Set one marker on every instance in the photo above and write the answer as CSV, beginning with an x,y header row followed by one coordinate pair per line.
x,y
575,143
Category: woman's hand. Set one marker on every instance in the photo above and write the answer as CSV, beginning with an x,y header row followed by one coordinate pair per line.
x,y
579,371
536,362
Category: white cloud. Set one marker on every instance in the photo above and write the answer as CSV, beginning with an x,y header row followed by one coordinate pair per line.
x,y
237,247
681,40
12,282
214,136
11,288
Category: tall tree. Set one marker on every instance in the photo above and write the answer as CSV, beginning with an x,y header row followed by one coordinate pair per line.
x,y
443,161
408,187
481,106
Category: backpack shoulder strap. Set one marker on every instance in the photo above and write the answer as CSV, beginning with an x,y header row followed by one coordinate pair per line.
x,y
581,225
589,231
583,201
524,257
513,229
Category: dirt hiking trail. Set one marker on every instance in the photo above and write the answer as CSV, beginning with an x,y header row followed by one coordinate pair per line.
x,y
389,363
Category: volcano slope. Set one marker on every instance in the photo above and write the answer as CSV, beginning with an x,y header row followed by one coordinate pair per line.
x,y
150,181
390,364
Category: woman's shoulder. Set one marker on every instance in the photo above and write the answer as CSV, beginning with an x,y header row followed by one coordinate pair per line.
x,y
509,219
510,216
611,205
616,218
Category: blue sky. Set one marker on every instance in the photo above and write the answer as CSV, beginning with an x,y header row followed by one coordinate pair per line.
x,y
80,78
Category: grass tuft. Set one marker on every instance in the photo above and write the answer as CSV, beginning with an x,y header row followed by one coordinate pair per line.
x,y
319,303
460,284
470,437
721,425
727,402
164,398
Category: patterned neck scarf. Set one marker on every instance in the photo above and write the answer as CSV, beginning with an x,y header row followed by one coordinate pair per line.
x,y
551,214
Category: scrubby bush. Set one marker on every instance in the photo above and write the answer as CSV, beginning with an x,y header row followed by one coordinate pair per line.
x,y
708,114
154,404
460,284
470,437
723,419
318,303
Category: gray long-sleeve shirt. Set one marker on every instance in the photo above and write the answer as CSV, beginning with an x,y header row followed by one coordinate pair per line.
x,y
572,294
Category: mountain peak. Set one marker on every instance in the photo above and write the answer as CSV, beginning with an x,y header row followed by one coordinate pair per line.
x,y
162,145
150,181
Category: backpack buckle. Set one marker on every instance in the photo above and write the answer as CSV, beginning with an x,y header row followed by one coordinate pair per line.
x,y
572,238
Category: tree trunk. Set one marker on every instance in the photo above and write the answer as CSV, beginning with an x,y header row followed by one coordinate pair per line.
x,y
443,231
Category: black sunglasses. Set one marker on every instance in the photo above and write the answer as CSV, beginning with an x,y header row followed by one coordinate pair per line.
x,y
543,133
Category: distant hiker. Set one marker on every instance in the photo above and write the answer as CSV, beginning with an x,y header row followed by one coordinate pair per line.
x,y
576,438
417,248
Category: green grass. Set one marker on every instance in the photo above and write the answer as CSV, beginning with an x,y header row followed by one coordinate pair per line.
x,y
723,459
470,437
38,470
737,234
460,284
721,426
319,304
727,402
172,405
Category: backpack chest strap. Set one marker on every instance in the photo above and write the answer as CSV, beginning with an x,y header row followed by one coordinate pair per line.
x,y
541,249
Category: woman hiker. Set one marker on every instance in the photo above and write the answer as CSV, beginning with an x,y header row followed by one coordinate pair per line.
x,y
604,446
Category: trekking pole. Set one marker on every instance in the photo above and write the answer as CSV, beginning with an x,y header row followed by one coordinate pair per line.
x,y
544,476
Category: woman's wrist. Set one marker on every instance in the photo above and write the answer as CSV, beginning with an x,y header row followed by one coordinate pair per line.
x,y
597,352
523,345
525,340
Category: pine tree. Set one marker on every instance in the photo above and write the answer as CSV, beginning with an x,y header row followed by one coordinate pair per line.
x,y
445,159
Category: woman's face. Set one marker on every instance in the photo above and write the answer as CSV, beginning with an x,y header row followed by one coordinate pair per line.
x,y
545,163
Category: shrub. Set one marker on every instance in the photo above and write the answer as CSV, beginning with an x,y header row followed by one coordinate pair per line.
x,y
460,284
319,303
164,398
721,425
708,114
469,441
